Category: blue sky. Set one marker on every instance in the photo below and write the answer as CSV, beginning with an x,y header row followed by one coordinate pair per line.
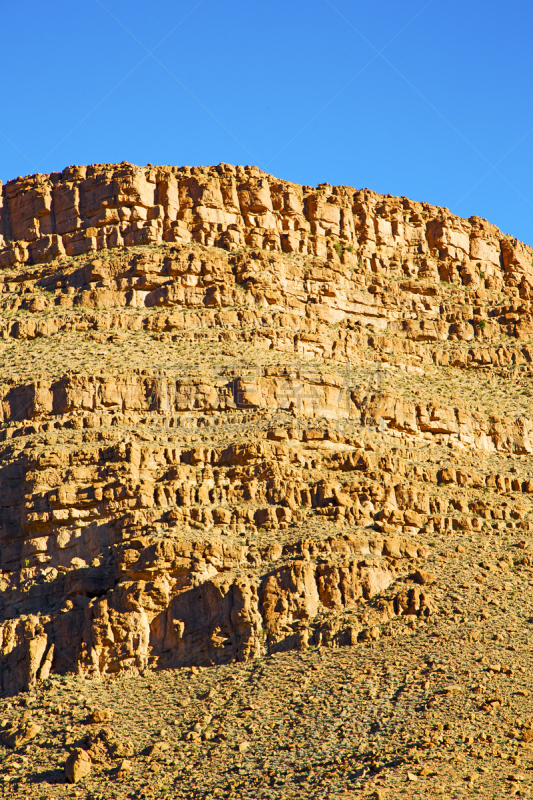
x,y
431,100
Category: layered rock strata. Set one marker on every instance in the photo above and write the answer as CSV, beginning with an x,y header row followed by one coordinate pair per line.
x,y
244,425
86,209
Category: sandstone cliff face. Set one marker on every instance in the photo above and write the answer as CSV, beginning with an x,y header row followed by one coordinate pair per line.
x,y
242,425
86,209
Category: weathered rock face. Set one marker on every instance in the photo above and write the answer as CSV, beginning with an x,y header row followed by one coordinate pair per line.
x,y
241,426
85,209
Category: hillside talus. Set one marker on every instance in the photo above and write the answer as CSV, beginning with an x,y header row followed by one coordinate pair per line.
x,y
240,416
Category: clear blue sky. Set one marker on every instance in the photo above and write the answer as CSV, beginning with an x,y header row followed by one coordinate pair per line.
x,y
431,100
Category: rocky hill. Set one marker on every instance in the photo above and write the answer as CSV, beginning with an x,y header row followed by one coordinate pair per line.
x,y
241,417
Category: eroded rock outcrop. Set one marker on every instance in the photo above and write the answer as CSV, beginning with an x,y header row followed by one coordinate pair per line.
x,y
237,414
84,209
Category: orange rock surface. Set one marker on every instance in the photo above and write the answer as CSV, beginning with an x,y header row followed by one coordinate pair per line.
x,y
236,412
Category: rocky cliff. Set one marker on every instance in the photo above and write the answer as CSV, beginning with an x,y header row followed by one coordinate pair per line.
x,y
238,415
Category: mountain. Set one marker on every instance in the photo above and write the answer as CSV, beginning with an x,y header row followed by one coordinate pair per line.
x,y
252,425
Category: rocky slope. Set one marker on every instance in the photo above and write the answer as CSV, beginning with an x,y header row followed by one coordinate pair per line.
x,y
240,417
